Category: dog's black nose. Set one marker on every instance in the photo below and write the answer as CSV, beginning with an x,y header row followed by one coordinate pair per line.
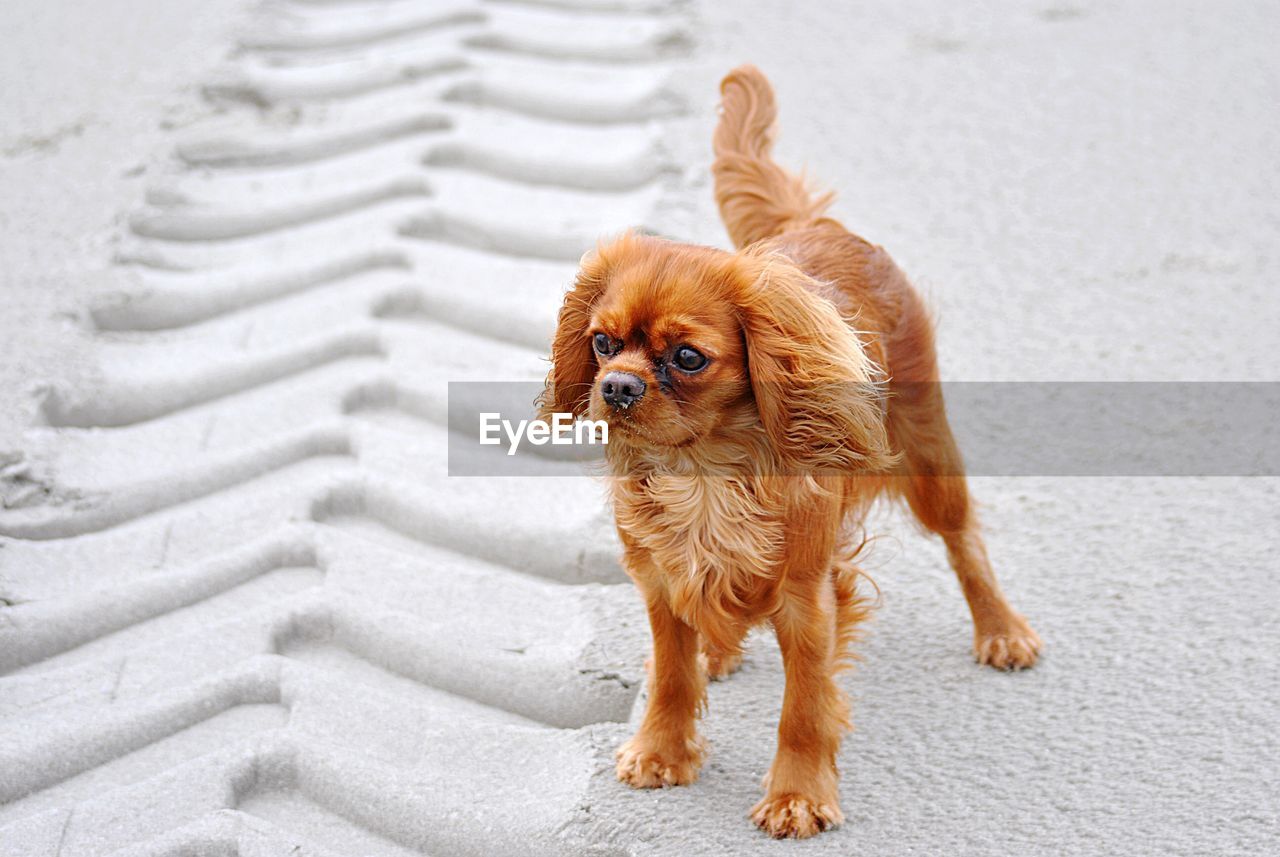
x,y
622,389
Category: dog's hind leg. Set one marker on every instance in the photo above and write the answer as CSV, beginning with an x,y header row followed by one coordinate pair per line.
x,y
935,487
719,662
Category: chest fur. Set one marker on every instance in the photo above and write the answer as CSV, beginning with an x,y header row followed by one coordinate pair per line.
x,y
712,539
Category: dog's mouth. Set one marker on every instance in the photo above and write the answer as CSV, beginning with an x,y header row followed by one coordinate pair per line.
x,y
643,424
636,434
622,423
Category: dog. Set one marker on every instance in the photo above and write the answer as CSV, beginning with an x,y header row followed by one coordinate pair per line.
x,y
757,403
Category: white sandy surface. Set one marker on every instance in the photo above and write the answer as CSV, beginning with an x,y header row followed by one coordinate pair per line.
x,y
245,611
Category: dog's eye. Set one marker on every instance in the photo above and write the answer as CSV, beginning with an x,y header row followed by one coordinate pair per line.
x,y
689,359
604,345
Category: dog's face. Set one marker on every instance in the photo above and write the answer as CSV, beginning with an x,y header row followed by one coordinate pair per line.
x,y
667,349
671,342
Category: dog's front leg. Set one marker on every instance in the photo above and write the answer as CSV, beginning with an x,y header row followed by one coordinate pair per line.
x,y
802,787
666,751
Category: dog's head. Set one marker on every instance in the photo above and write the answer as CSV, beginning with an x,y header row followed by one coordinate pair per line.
x,y
674,345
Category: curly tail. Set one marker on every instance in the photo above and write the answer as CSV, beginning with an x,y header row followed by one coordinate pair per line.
x,y
757,198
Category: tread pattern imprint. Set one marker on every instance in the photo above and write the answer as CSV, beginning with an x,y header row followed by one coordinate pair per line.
x,y
254,616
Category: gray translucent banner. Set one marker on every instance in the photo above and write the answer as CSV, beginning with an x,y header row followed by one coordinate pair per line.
x,y
1002,429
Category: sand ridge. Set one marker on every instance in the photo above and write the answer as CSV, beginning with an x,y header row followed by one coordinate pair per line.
x,y
270,618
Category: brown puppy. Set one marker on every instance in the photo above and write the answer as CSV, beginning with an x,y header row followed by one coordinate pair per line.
x,y
750,427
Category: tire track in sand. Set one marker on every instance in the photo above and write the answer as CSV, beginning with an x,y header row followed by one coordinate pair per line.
x,y
272,619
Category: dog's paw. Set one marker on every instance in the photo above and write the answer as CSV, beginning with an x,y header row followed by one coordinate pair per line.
x,y
1014,647
718,665
642,766
794,816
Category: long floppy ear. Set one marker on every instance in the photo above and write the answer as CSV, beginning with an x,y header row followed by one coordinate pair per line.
x,y
573,363
820,397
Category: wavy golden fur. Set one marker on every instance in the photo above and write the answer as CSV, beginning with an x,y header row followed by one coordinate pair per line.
x,y
758,402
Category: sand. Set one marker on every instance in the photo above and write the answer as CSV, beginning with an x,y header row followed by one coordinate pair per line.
x,y
246,611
